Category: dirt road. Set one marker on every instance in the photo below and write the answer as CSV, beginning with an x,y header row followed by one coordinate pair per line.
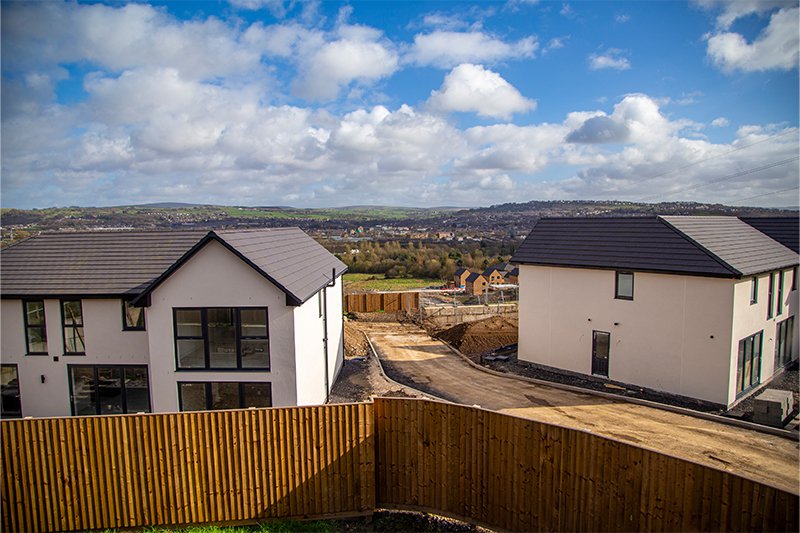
x,y
411,356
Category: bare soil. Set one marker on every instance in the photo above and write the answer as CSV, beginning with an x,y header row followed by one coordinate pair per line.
x,y
360,378
411,356
482,336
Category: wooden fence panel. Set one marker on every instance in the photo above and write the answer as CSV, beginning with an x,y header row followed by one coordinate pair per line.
x,y
372,302
67,474
517,474
63,474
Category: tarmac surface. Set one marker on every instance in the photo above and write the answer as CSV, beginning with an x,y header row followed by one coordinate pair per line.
x,y
409,355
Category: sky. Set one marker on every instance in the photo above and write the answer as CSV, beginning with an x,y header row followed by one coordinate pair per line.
x,y
325,104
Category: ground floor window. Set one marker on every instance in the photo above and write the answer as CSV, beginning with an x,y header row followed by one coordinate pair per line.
x,y
783,342
107,390
9,390
748,372
208,396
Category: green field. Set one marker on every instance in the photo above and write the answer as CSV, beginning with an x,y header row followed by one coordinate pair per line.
x,y
377,282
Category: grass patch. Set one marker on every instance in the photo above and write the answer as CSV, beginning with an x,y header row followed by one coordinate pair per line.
x,y
278,526
378,282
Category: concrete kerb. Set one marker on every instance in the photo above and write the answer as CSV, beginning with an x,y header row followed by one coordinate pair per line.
x,y
390,380
791,435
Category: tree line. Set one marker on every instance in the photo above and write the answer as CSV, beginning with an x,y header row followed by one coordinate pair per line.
x,y
417,259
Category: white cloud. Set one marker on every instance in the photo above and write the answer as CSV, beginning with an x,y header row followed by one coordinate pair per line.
x,y
555,43
472,88
359,57
775,48
43,35
276,7
733,10
622,18
720,122
612,58
446,49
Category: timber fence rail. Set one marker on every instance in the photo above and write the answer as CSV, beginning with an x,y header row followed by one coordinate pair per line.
x,y
371,302
345,460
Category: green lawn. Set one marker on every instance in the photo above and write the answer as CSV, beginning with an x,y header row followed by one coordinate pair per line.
x,y
377,282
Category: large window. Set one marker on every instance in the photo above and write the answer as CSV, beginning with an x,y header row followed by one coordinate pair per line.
x,y
222,338
108,390
9,390
749,365
35,327
72,322
783,342
205,396
132,317
623,287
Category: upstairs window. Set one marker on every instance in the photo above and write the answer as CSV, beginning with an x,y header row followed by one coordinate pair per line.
x,y
754,291
794,279
220,338
35,328
132,317
779,306
72,323
623,287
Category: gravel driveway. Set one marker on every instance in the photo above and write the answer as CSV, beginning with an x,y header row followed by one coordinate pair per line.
x,y
411,356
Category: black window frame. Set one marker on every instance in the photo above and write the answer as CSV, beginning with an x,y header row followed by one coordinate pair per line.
x,y
770,295
784,340
794,279
754,290
64,326
123,390
779,303
756,340
28,327
12,414
209,398
125,326
206,350
617,295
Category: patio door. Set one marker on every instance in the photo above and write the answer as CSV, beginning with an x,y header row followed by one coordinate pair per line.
x,y
601,341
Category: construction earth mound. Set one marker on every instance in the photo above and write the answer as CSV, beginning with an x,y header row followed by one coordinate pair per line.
x,y
482,336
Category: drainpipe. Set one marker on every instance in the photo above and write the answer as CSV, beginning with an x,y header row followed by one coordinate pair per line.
x,y
324,296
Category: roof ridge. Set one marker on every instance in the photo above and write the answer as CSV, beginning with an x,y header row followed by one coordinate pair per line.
x,y
709,253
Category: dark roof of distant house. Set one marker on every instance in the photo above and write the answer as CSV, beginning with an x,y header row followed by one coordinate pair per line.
x,y
785,230
505,267
707,246
460,271
472,278
514,272
97,264
489,270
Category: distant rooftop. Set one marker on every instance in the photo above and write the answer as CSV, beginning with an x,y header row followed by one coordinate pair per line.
x,y
785,230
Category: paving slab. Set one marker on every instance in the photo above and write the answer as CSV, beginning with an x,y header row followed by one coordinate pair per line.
x,y
411,356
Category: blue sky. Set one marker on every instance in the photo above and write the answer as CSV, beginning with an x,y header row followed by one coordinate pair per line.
x,y
263,102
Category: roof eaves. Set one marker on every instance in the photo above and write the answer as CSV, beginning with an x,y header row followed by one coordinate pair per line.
x,y
724,264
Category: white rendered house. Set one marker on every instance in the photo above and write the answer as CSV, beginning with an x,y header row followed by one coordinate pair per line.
x,y
162,321
699,307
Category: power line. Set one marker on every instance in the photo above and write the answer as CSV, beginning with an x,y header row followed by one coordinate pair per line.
x,y
724,178
765,194
771,137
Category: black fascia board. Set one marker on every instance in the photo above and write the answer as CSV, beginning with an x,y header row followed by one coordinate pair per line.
x,y
629,268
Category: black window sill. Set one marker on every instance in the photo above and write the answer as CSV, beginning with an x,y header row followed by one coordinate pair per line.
x,y
74,353
134,329
228,369
37,353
